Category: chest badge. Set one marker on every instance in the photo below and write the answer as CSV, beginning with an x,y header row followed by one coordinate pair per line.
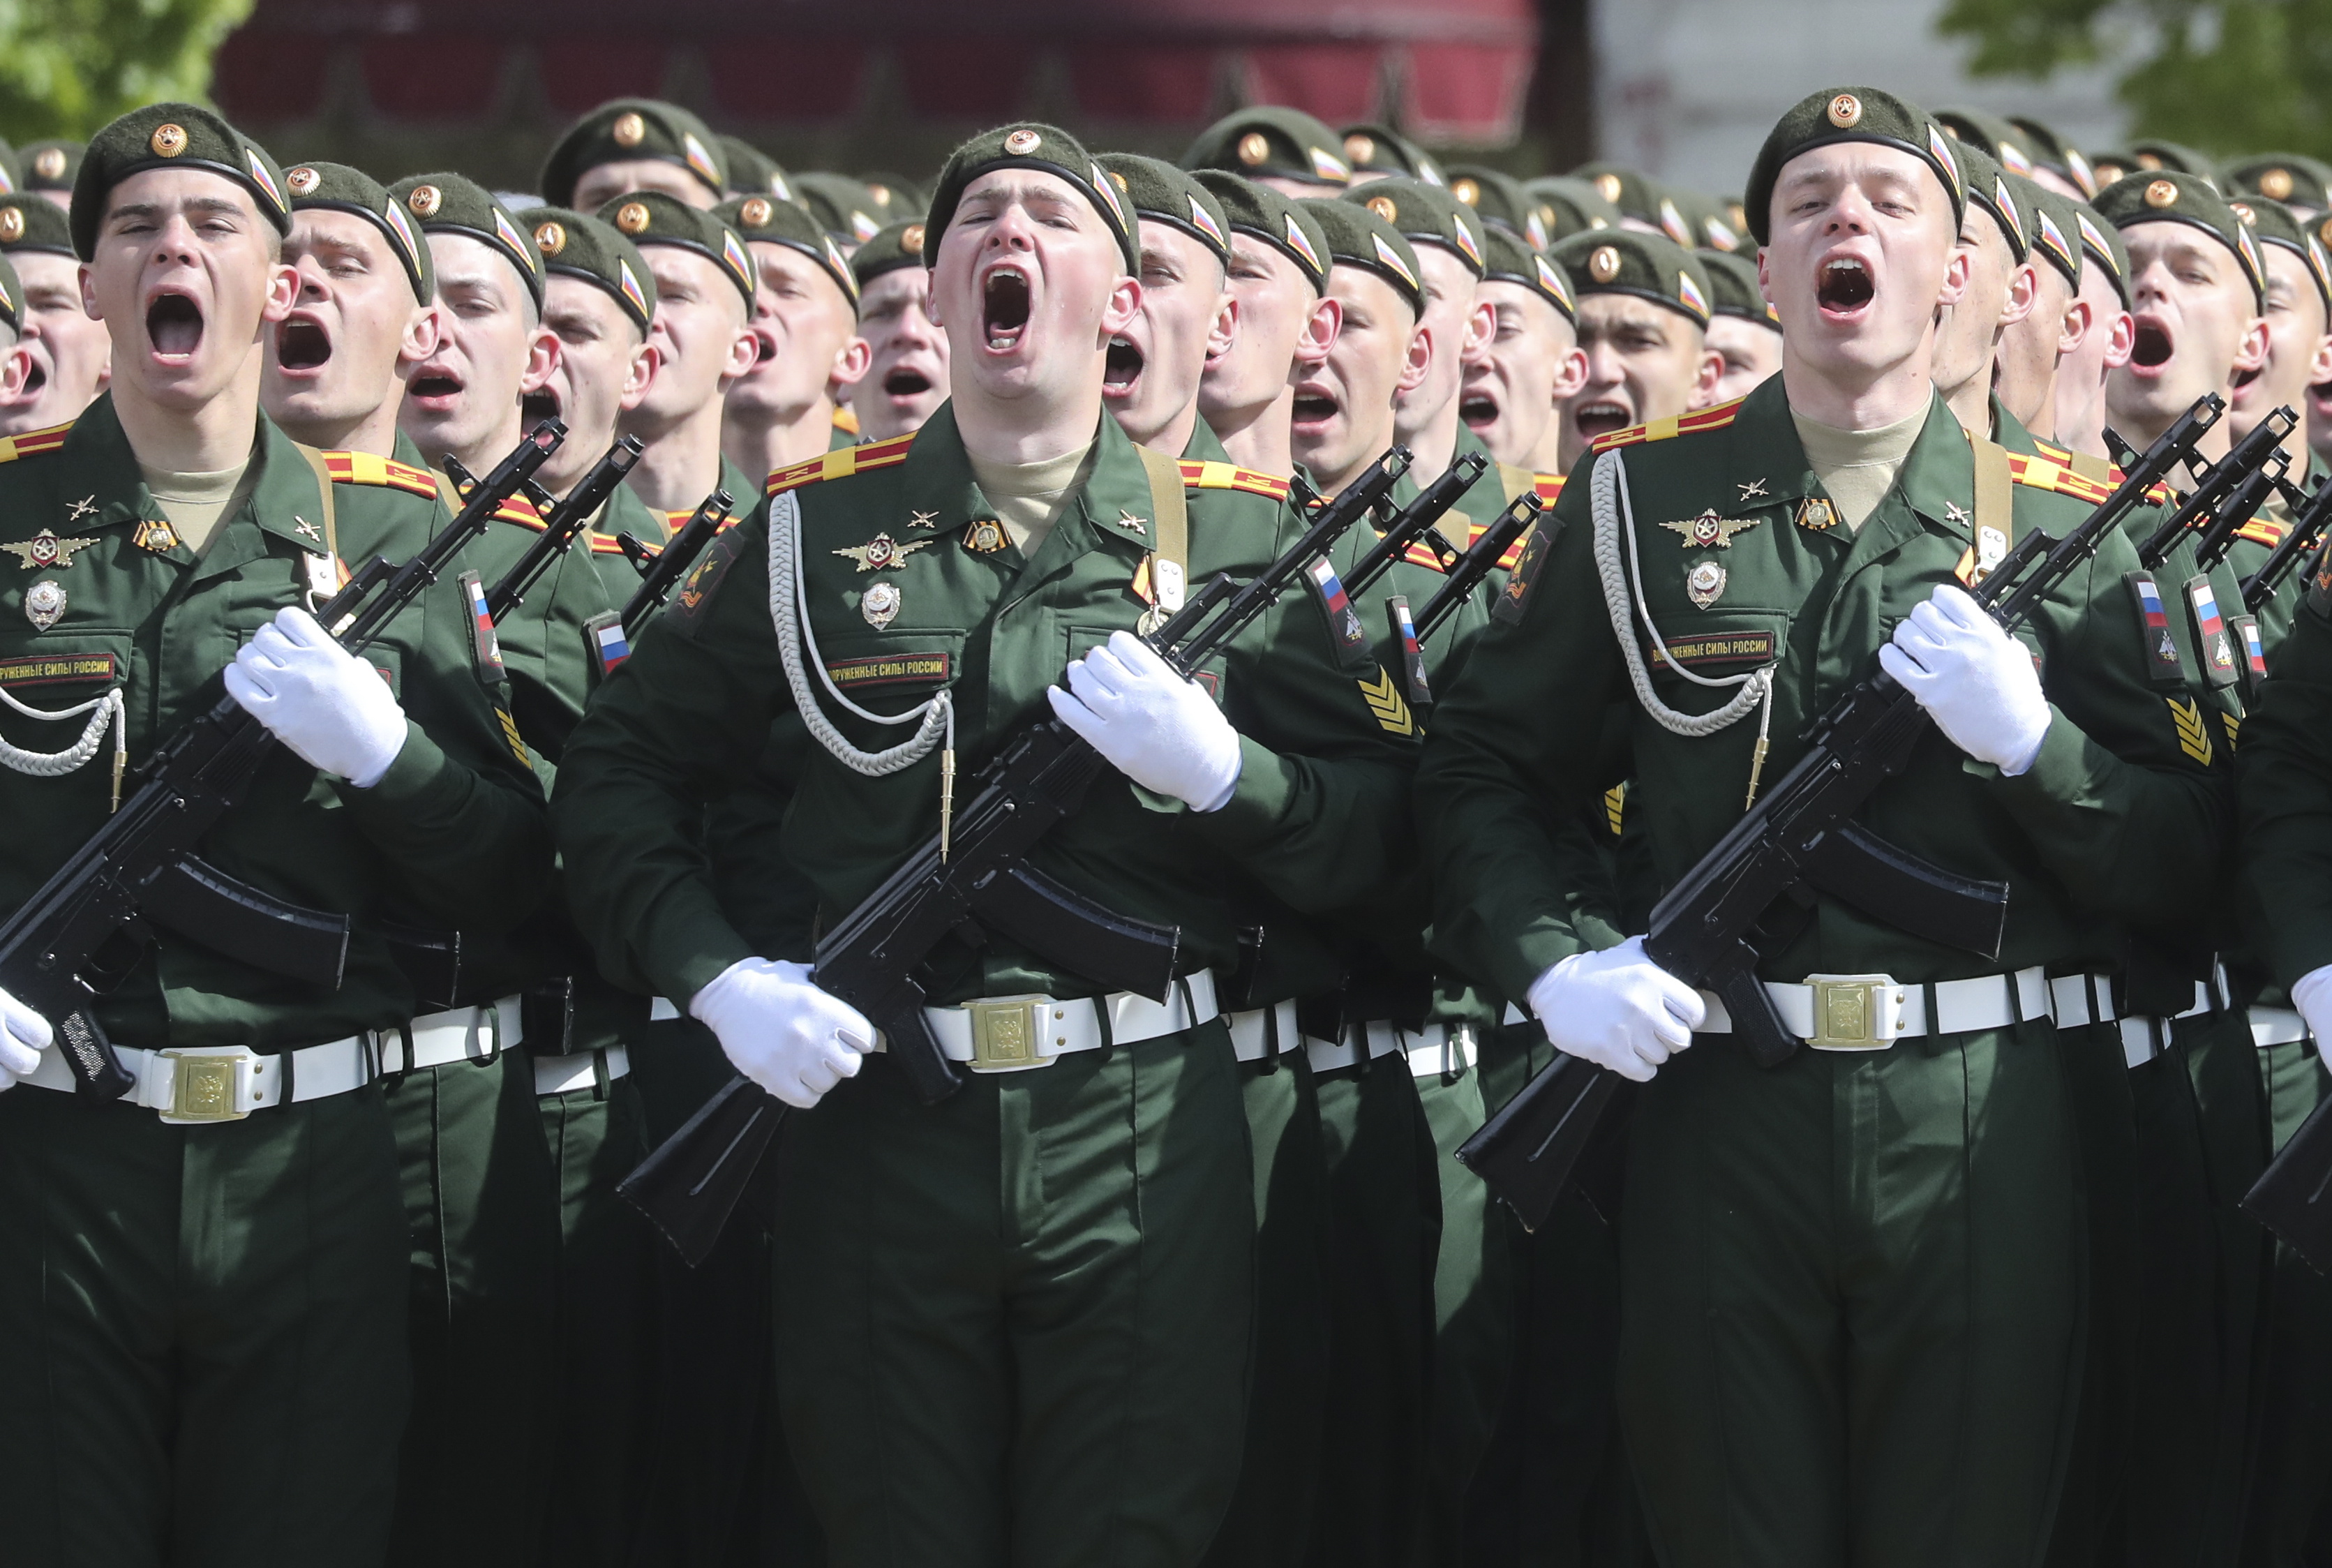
x,y
1130,523
923,519
983,536
1817,514
1955,512
44,604
1704,583
1751,493
1710,531
880,605
155,534
307,529
85,507
46,550
882,552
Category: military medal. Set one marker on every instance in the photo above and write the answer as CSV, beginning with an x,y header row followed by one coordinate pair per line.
x,y
44,604
1704,583
880,605
1709,530
882,552
155,534
1818,514
46,550
983,536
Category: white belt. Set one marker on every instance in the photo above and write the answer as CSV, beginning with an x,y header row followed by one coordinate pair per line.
x,y
660,1008
2083,999
461,1035
1514,1015
1865,1012
1435,1051
1018,1034
196,1084
1263,1032
578,1069
2144,1038
2276,1026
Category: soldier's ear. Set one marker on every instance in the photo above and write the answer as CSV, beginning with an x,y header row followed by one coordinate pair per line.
x,y
1321,329
1224,331
850,366
13,370
640,375
2252,353
1571,378
423,334
282,291
2320,370
1420,363
1125,305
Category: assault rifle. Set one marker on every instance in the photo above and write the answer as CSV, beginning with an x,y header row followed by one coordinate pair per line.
x,y
2310,515
1751,893
563,521
1480,560
663,571
976,872
83,931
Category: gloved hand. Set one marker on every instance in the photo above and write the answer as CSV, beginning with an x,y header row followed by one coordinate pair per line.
x,y
1159,730
1617,1008
319,699
1974,680
2311,997
23,1036
782,1031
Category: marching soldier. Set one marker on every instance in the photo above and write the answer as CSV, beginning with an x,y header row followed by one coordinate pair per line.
x,y
1374,152
635,144
1187,316
844,207
1531,360
1742,330
2029,350
2101,333
210,1272
1999,293
1274,146
906,377
752,172
805,333
67,356
1643,321
1447,236
1278,272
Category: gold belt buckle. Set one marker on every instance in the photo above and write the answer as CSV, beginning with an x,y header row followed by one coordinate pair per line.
x,y
203,1087
1004,1037
1848,1009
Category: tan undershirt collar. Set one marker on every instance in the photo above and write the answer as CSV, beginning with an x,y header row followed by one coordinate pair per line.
x,y
197,503
1030,497
1858,467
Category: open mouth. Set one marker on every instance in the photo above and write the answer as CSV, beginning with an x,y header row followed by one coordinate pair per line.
x,y
173,325
432,384
1478,409
1844,286
2320,394
2243,378
302,345
1004,308
1123,369
1595,419
902,382
765,347
1313,408
2154,347
538,406
36,376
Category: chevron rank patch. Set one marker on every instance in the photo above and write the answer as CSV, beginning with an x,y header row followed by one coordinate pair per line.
x,y
485,648
2163,666
2252,648
509,733
2233,725
2194,735
1615,803
2211,641
1413,657
1385,705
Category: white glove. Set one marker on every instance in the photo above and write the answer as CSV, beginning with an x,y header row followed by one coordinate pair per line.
x,y
2311,998
1975,681
319,699
1617,1008
1158,729
782,1031
23,1036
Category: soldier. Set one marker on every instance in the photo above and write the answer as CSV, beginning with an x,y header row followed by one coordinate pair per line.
x,y
1531,361
51,168
635,144
2058,165
1776,1244
1274,146
1577,207
1643,321
906,377
2301,183
1742,330
598,298
1635,195
805,333
1380,152
1287,323
752,172
982,1289
1999,293
1447,236
67,357
2101,335
1343,409
2029,350
494,353
1503,203
844,207
1188,313
2295,305
213,1265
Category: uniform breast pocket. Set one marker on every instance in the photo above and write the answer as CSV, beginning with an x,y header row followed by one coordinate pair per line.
x,y
1714,646
51,694
1082,640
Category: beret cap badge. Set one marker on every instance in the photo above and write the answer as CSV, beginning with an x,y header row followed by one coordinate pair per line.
x,y
1383,207
12,226
1023,142
756,212
1467,191
550,237
425,200
912,238
632,217
1608,187
303,180
629,130
1360,148
168,141
2276,184
1604,264
49,163
1254,148
2161,193
1844,110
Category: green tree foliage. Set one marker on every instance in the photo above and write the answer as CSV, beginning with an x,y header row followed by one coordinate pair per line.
x,y
67,66
2225,75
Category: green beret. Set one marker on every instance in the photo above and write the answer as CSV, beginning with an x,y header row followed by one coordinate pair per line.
x,y
1427,213
1571,205
771,222
629,129
578,245
1733,287
1510,260
455,204
2169,196
12,295
1636,195
1029,145
51,165
340,189
2102,246
172,136
841,206
1163,194
1501,200
2175,158
2284,176
1708,221
1264,214
34,223
751,171
899,245
2050,226
2272,223
1379,150
2107,165
2050,151
1271,141
1358,237
896,200
1650,266
1987,188
649,217
2000,141
1848,114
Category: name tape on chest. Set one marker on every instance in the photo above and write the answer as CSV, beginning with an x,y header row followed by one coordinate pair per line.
x,y
1694,652
54,669
892,670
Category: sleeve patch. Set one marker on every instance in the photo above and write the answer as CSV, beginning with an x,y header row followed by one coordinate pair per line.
x,y
1385,705
2194,735
1529,553
2158,649
694,595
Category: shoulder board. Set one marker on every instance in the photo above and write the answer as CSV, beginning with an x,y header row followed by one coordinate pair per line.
x,y
1422,555
1231,476
368,468
2159,494
842,463
33,443
1549,487
1715,418
2260,530
521,510
2041,473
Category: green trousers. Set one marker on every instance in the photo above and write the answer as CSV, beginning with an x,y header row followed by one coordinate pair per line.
x,y
1269,1521
1473,1316
2201,1140
1851,1329
482,1206
1013,1328
2286,1525
202,1335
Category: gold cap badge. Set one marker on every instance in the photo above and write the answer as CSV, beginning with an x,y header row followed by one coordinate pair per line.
x,y
1844,110
12,226
632,217
2243,210
168,141
49,163
1467,191
2276,184
1604,264
2161,193
303,180
629,130
550,238
757,212
1383,206
2149,160
1359,149
1023,142
1254,148
910,238
1607,185
425,200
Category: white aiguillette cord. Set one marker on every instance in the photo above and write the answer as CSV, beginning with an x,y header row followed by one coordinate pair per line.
x,y
1615,518
789,612
57,764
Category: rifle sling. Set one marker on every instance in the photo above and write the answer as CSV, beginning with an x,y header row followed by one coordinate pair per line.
x,y
315,460
1996,491
1169,513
